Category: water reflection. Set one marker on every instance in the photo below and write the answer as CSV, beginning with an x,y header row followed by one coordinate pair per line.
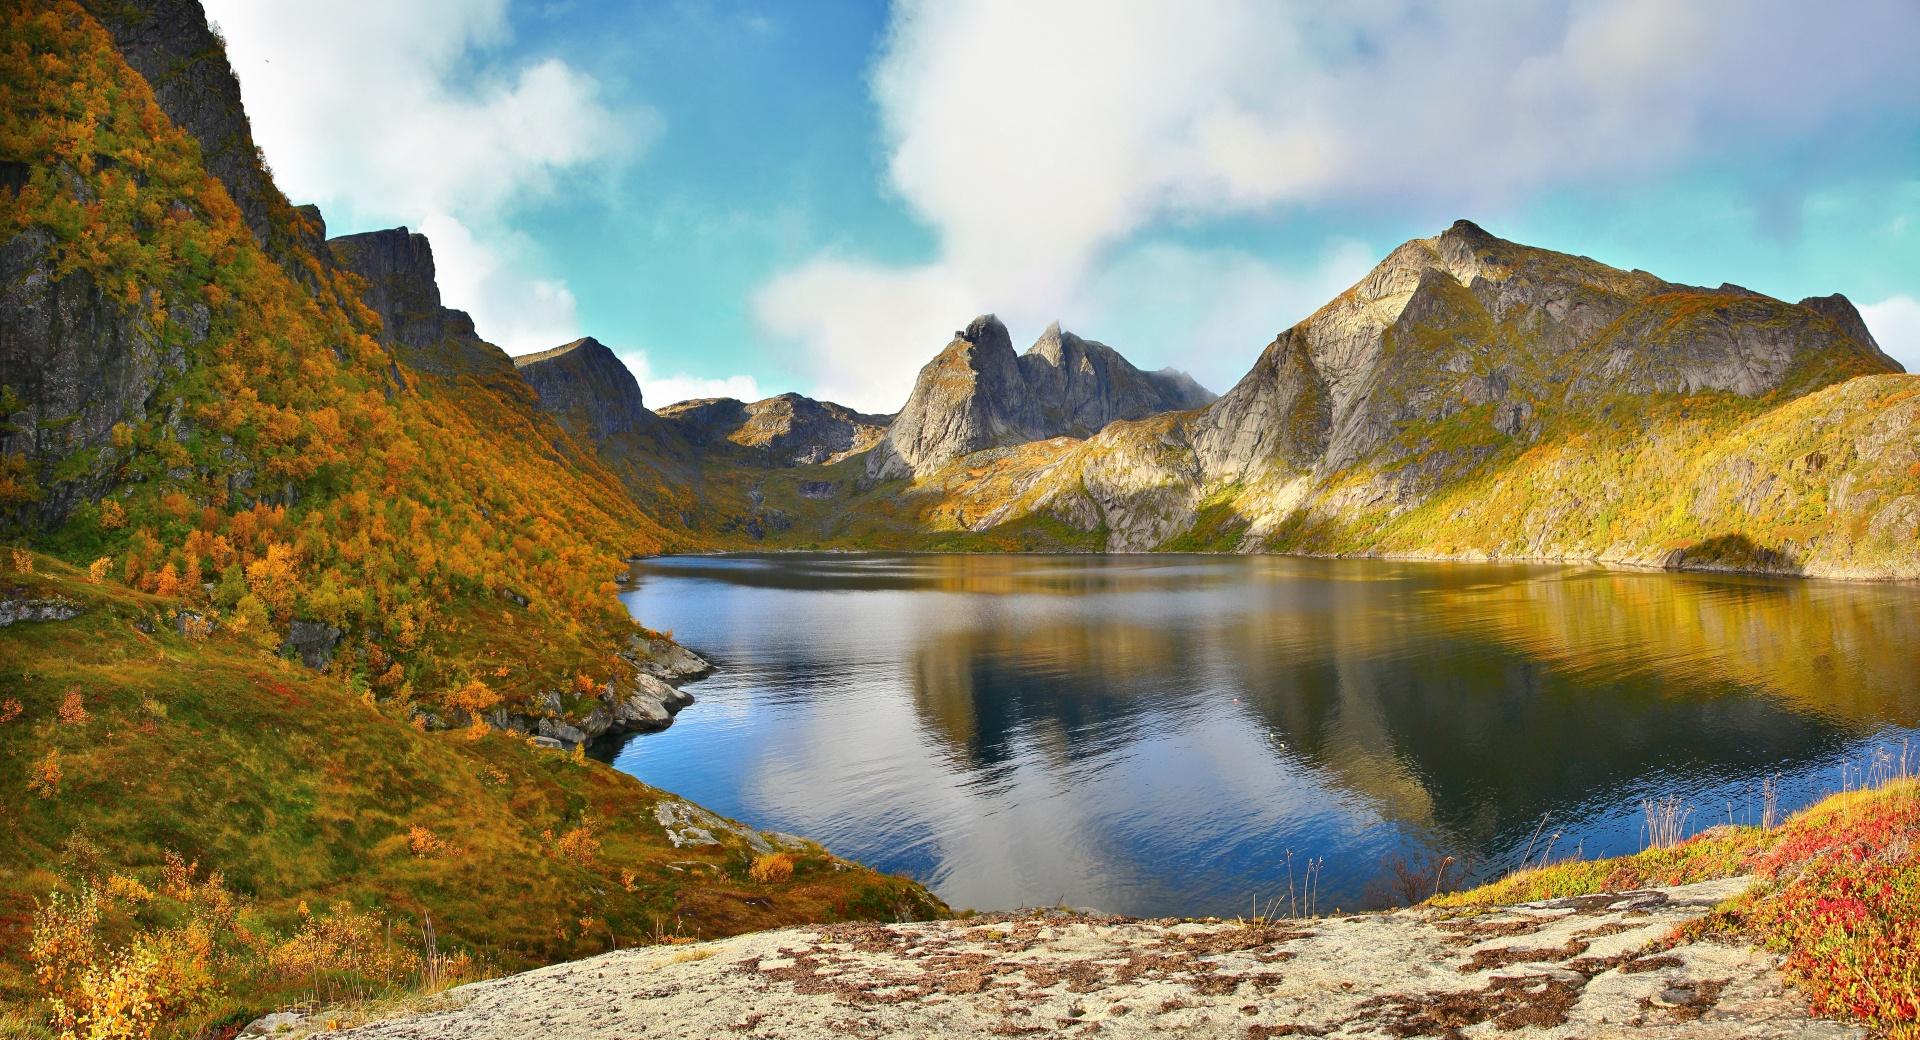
x,y
1151,735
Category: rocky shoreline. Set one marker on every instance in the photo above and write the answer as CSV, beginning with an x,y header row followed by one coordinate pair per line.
x,y
645,701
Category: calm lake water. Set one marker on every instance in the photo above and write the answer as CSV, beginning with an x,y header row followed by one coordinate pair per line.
x,y
1174,735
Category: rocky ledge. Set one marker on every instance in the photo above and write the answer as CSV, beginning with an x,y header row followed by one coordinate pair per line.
x,y
36,608
1596,966
643,701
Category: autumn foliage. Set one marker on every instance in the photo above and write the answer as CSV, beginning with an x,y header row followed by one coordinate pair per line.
x,y
308,480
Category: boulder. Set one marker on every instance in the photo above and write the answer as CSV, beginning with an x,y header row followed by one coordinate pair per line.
x,y
313,642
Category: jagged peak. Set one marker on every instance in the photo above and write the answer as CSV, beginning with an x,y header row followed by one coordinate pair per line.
x,y
985,330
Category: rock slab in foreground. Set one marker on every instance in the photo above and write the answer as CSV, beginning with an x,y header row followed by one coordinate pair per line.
x,y
1572,968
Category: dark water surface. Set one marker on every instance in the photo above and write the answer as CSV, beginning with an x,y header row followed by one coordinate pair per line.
x,y
1154,735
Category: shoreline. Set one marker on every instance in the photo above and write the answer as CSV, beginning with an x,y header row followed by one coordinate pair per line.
x,y
1470,559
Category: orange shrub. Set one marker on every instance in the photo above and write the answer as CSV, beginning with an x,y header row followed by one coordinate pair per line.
x,y
73,709
771,868
44,779
579,844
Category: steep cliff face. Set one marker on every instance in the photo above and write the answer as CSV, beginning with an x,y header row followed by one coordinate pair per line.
x,y
790,430
587,388
397,266
978,394
1079,385
173,48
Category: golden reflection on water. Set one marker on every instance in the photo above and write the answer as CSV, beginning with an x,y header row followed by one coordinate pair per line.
x,y
1172,723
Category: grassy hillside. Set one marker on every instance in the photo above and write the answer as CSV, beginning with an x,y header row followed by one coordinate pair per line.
x,y
204,442
122,747
275,462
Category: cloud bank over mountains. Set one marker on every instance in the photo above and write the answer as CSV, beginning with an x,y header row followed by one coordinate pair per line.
x,y
1037,140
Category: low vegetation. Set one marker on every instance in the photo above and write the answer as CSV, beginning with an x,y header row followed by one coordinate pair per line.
x,y
1838,894
194,831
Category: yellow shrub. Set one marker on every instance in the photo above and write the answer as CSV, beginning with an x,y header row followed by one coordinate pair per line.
x,y
771,868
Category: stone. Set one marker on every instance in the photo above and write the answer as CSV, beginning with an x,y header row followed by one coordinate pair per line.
x,y
37,608
274,1024
313,642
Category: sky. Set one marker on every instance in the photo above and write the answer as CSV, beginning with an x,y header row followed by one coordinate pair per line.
x,y
747,198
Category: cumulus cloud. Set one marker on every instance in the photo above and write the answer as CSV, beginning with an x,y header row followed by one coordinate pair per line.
x,y
1895,324
1037,139
658,389
864,328
388,113
488,277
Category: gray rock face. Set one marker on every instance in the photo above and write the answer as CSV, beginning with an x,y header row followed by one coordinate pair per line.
x,y
398,268
978,394
588,388
1079,386
1840,310
790,430
1465,320
313,642
37,608
78,362
1463,324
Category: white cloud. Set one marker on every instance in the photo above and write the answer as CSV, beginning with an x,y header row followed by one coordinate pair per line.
x,y
658,390
1038,139
1895,324
400,113
487,278
1207,311
865,329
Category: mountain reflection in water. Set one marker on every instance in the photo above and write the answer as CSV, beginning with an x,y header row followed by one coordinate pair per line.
x,y
1153,735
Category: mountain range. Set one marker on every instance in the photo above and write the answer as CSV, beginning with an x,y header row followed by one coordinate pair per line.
x,y
1470,398
309,597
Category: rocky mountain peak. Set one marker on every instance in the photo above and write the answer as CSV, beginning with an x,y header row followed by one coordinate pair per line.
x,y
977,394
1466,319
397,265
1840,310
588,388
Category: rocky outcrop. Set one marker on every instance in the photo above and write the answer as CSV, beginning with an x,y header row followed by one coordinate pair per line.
x,y
977,394
644,700
1597,966
587,388
37,608
397,266
77,363
788,430
312,643
1079,385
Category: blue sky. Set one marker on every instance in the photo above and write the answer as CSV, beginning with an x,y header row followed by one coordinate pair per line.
x,y
748,198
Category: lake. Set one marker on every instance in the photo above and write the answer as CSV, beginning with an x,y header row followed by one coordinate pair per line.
x,y
1196,735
